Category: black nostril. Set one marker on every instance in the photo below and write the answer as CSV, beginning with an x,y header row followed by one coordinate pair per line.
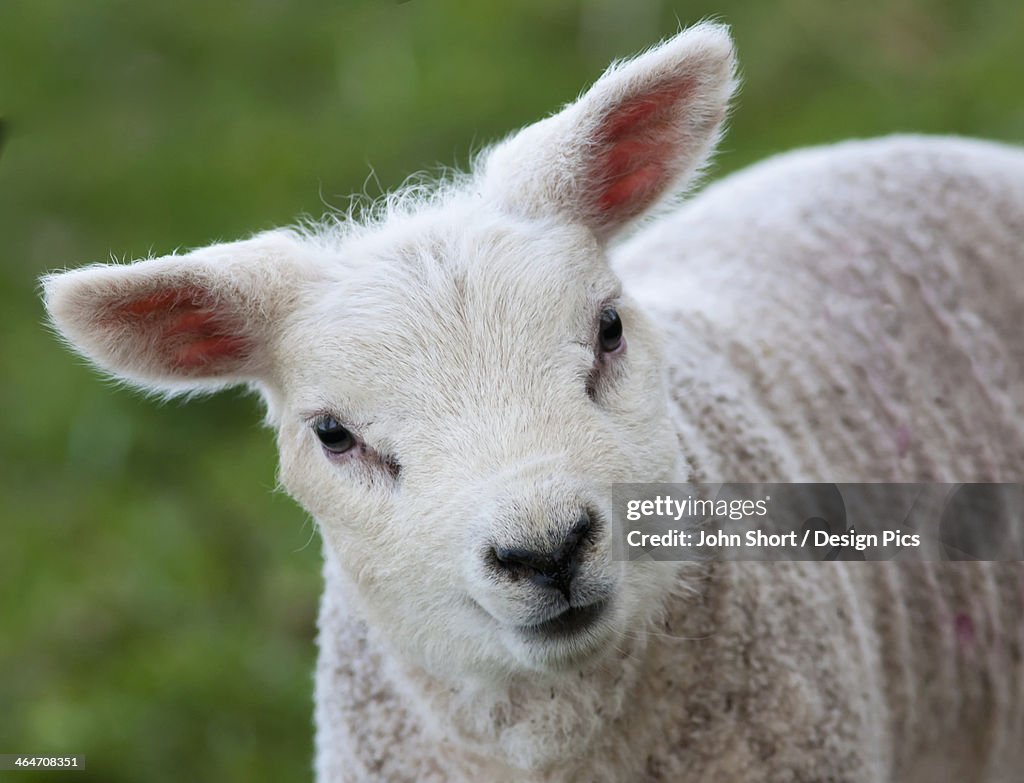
x,y
526,561
554,568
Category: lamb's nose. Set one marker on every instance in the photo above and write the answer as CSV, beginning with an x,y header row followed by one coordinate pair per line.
x,y
554,568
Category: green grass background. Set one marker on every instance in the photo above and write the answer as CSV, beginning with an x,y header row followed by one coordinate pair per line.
x,y
157,597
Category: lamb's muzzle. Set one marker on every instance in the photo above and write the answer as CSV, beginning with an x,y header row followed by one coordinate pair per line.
x,y
563,604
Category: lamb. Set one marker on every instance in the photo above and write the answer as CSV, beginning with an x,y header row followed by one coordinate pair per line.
x,y
457,380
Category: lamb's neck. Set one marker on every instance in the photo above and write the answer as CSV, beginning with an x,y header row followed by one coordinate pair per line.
x,y
543,722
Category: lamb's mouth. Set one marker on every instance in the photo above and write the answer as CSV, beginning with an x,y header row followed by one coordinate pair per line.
x,y
569,623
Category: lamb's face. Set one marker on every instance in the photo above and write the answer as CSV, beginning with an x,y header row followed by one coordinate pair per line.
x,y
459,399
457,390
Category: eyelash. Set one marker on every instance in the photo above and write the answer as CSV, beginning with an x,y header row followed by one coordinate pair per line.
x,y
326,423
603,357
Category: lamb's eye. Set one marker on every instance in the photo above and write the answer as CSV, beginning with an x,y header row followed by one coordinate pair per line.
x,y
610,330
335,438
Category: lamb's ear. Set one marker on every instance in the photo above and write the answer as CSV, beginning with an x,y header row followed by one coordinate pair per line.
x,y
642,130
182,323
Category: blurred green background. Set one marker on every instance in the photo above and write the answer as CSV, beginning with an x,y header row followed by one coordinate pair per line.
x,y
157,596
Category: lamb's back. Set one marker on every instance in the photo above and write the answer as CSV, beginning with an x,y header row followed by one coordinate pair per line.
x,y
847,313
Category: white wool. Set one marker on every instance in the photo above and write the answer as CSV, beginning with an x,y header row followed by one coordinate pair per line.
x,y
848,313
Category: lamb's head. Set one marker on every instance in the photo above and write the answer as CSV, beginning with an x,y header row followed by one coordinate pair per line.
x,y
457,384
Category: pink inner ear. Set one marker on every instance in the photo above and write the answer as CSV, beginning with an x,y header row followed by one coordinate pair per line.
x,y
188,331
638,146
